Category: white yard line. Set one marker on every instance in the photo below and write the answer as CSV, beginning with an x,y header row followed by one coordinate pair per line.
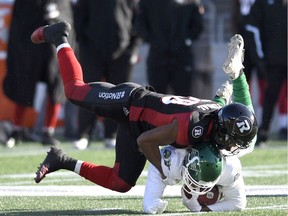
x,y
170,191
252,171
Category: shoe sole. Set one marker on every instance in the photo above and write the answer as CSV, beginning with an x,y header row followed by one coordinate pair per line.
x,y
236,48
44,167
37,36
41,173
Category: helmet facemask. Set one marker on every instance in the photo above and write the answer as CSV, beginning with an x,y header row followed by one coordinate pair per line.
x,y
226,143
235,127
201,169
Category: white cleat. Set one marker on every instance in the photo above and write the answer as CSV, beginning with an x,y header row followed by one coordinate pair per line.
x,y
11,142
233,64
81,144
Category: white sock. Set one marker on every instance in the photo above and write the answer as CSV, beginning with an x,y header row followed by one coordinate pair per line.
x,y
78,166
62,46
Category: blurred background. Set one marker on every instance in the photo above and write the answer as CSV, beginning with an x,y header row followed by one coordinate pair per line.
x,y
210,50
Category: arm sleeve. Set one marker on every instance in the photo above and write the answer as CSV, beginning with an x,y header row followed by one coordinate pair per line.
x,y
242,95
171,162
232,187
241,91
221,101
234,197
154,188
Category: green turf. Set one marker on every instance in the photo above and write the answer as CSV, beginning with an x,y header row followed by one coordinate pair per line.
x,y
123,206
265,167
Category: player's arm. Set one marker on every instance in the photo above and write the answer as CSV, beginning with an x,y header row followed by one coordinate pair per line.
x,y
241,91
150,141
233,189
172,160
154,188
234,198
242,95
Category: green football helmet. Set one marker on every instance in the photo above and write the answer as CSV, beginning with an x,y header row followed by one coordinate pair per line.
x,y
202,168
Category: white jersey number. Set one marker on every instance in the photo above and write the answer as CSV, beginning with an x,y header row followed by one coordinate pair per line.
x,y
185,101
188,101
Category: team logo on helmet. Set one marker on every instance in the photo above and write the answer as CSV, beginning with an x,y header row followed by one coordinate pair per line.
x,y
167,157
197,131
243,126
194,162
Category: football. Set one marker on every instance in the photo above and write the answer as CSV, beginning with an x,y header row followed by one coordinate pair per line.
x,y
209,198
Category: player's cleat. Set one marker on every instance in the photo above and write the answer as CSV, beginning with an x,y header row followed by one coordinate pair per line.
x,y
233,63
51,33
15,138
48,139
54,161
81,143
262,138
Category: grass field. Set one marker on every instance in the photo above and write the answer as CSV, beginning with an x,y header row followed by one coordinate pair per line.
x,y
21,196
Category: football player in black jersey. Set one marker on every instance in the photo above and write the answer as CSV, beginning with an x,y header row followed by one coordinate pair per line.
x,y
148,119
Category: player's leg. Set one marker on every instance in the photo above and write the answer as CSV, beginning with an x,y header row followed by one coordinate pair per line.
x,y
282,116
70,69
128,165
101,98
274,81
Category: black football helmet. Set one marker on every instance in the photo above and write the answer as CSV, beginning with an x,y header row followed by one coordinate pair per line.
x,y
235,127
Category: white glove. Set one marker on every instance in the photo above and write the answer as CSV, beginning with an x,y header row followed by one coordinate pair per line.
x,y
191,203
169,181
225,92
157,207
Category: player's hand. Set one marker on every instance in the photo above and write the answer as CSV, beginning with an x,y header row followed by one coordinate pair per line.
x,y
225,92
157,207
192,202
169,181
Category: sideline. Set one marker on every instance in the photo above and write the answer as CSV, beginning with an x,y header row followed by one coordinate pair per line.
x,y
170,191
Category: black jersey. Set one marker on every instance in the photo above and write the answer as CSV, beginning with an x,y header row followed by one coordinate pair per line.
x,y
195,116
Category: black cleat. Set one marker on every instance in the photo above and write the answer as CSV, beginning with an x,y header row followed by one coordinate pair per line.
x,y
51,33
54,161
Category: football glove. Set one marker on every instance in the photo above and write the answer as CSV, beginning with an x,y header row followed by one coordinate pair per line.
x,y
225,92
191,203
157,207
